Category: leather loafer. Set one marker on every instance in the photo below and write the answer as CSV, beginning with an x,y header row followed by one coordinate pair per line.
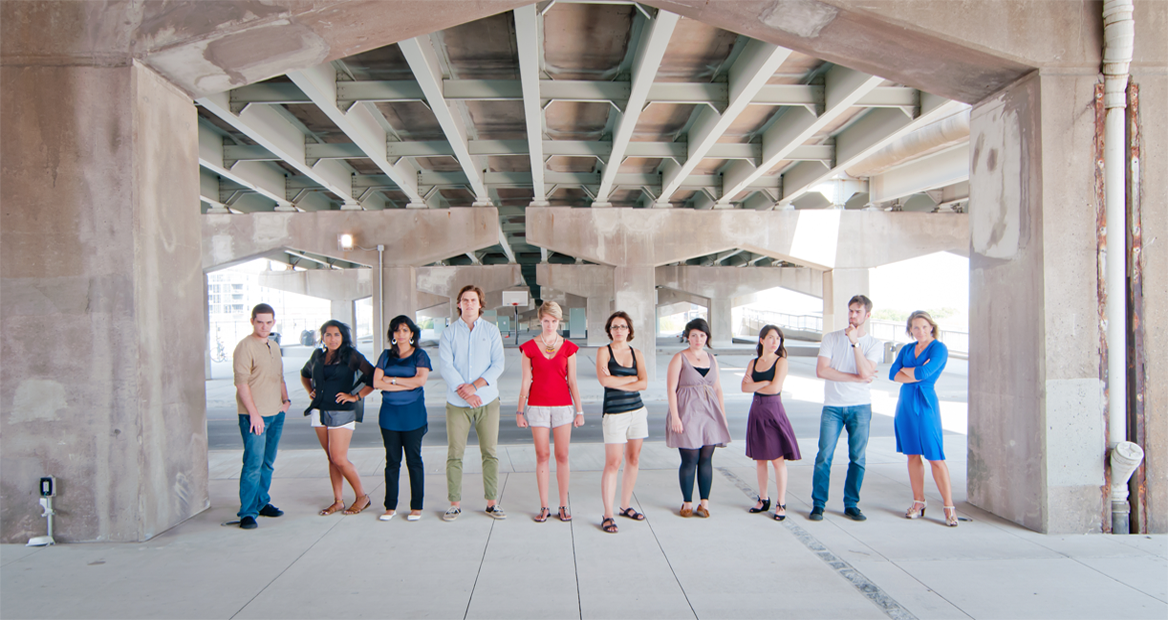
x,y
702,511
686,512
854,514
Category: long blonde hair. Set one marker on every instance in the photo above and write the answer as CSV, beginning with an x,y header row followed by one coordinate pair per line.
x,y
921,314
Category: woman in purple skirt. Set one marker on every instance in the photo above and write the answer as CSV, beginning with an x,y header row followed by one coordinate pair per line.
x,y
769,438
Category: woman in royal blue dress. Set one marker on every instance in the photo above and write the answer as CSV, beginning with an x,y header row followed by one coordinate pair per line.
x,y
918,413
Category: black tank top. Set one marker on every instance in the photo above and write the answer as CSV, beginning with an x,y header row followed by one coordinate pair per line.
x,y
757,376
620,401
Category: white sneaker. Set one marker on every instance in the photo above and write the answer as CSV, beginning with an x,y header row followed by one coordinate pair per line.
x,y
451,513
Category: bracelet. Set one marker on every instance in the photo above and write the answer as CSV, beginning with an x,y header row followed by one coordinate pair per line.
x,y
393,381
285,401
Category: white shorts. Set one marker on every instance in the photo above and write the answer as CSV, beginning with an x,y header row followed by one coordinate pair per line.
x,y
549,417
316,423
621,427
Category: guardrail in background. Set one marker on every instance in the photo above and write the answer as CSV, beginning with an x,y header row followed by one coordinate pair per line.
x,y
888,331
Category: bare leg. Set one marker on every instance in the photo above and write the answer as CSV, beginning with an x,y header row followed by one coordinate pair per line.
x,y
760,468
612,462
632,467
916,476
335,477
563,437
539,436
941,477
780,465
339,439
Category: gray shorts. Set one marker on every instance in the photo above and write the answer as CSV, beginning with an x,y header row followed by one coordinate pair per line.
x,y
549,417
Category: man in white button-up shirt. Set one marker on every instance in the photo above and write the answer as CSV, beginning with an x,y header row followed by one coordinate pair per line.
x,y
470,356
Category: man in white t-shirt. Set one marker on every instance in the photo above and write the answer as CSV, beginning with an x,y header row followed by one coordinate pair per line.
x,y
847,363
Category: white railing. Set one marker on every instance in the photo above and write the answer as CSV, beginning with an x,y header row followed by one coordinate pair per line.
x,y
755,319
893,331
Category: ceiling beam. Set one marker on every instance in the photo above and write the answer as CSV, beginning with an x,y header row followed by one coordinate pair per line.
x,y
794,126
930,172
423,60
530,45
359,124
270,129
264,178
874,131
506,246
757,63
650,51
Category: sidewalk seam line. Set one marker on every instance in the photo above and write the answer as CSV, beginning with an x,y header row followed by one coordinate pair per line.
x,y
290,565
668,562
486,545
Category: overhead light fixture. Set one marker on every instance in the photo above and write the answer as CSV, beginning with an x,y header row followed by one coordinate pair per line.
x,y
344,242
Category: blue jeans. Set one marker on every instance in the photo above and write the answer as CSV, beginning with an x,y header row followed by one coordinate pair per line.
x,y
259,456
856,419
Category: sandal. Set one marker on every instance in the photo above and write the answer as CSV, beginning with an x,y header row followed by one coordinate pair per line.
x,y
564,516
913,512
950,515
778,507
352,509
544,513
763,505
632,514
608,525
337,505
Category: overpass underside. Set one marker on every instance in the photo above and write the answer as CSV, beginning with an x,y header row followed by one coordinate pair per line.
x,y
603,151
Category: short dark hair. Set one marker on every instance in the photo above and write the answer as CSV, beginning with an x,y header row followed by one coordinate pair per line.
x,y
619,314
478,291
398,321
863,301
701,325
262,309
762,333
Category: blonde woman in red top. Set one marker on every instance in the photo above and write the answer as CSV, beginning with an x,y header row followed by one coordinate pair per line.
x,y
549,402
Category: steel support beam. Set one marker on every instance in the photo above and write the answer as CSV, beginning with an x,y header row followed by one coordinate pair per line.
x,y
650,50
261,177
423,60
933,171
757,63
359,124
271,130
875,130
843,89
529,43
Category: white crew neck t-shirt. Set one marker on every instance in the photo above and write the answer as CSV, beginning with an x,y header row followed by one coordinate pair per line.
x,y
838,349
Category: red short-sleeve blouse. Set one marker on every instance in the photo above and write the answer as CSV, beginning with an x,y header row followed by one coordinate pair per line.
x,y
549,378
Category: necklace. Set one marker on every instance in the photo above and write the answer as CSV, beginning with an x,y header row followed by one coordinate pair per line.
x,y
549,348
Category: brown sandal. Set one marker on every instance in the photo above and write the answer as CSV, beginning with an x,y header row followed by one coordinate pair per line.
x,y
334,507
352,509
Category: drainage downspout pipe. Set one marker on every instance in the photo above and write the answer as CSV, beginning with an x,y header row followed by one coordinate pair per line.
x,y
1118,42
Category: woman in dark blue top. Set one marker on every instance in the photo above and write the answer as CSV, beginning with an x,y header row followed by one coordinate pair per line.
x,y
400,374
918,413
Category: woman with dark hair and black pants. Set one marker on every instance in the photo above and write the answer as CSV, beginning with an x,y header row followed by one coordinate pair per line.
x,y
401,372
769,437
336,378
696,422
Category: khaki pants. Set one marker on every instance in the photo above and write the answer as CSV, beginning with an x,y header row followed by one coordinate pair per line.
x,y
485,420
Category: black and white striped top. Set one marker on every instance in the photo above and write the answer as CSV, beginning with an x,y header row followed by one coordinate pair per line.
x,y
619,401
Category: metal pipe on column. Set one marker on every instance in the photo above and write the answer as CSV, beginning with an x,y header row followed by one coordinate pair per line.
x,y
1118,42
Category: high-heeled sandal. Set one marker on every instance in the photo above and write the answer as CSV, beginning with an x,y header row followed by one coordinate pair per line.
x,y
913,512
764,505
950,517
778,507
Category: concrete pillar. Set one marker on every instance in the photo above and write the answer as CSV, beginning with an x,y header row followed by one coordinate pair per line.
x,y
206,329
597,309
345,311
635,293
102,286
1037,435
721,325
592,282
398,295
840,285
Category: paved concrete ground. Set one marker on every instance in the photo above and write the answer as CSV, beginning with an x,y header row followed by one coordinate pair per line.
x,y
733,565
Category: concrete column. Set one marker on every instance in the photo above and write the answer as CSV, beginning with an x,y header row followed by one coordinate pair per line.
x,y
598,308
206,329
721,325
344,310
635,293
840,285
398,295
1036,408
102,285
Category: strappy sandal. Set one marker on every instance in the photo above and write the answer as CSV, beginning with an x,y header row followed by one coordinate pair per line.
x,y
336,506
353,510
632,514
950,515
913,512
608,525
544,513
564,516
762,506
778,507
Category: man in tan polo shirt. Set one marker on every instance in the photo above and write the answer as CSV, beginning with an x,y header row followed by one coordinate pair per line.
x,y
262,399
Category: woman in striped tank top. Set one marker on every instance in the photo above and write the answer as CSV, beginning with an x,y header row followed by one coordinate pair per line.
x,y
621,370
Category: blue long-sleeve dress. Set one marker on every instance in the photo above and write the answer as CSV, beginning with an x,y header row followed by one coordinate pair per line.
x,y
918,413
